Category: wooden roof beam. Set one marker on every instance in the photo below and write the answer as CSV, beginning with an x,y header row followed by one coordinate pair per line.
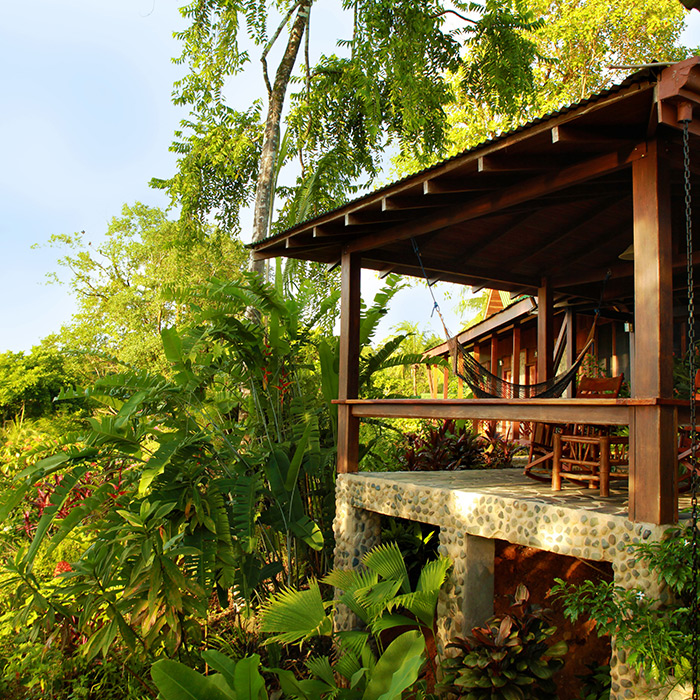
x,y
361,218
490,204
453,168
573,231
565,133
417,201
511,164
433,269
494,238
454,186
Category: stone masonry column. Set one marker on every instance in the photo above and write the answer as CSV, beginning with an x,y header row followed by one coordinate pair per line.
x,y
356,532
629,572
466,600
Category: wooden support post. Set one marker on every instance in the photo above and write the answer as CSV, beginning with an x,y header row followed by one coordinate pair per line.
x,y
494,361
349,362
445,381
653,468
515,371
431,381
571,353
545,331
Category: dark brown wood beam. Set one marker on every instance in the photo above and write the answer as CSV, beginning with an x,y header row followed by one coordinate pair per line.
x,y
494,238
455,168
349,362
498,201
402,203
573,231
455,186
653,467
374,216
512,164
545,331
435,267
589,138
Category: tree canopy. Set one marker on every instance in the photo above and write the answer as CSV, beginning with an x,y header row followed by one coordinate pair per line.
x,y
128,286
581,48
386,85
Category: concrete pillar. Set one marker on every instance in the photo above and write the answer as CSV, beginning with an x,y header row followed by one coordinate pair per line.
x,y
466,599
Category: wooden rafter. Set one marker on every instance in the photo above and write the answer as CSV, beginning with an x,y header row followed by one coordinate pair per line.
x,y
600,215
490,204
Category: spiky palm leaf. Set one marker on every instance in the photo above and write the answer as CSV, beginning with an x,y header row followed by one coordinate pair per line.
x,y
294,616
387,561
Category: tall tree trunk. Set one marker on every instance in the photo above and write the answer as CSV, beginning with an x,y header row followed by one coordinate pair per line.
x,y
271,138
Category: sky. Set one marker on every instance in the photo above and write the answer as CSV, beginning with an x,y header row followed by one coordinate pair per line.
x,y
86,120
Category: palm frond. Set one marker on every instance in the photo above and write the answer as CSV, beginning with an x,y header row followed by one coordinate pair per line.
x,y
294,616
387,561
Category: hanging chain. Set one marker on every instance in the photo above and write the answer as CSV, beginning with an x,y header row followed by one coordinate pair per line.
x,y
695,544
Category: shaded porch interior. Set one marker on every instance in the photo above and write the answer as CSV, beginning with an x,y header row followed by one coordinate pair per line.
x,y
546,210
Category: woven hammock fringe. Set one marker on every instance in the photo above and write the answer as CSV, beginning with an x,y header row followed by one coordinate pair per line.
x,y
486,385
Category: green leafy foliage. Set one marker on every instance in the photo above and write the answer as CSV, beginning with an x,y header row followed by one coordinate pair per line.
x,y
656,633
385,85
509,658
234,681
188,502
575,50
447,446
29,382
380,594
129,286
450,445
596,684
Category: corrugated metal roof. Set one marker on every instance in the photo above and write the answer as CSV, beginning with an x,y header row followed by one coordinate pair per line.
x,y
650,73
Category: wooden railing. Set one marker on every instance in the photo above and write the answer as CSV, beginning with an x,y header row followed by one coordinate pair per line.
x,y
650,500
593,411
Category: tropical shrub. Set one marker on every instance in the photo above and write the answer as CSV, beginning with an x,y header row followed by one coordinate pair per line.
x,y
233,680
381,598
657,634
365,666
596,684
187,493
509,658
497,451
450,446
183,487
418,542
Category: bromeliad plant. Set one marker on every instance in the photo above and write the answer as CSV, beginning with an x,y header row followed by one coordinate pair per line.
x,y
509,658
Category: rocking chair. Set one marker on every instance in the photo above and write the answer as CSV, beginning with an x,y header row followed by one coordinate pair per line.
x,y
540,463
589,453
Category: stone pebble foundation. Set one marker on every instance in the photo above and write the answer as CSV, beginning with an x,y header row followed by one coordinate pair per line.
x,y
475,508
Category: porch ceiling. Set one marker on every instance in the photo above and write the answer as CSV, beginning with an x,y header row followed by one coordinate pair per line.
x,y
552,199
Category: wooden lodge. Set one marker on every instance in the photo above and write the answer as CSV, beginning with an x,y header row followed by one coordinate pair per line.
x,y
505,341
544,211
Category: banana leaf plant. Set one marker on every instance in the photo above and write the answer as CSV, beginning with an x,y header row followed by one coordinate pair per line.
x,y
197,480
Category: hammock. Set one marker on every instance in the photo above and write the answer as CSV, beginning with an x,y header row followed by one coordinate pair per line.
x,y
486,385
